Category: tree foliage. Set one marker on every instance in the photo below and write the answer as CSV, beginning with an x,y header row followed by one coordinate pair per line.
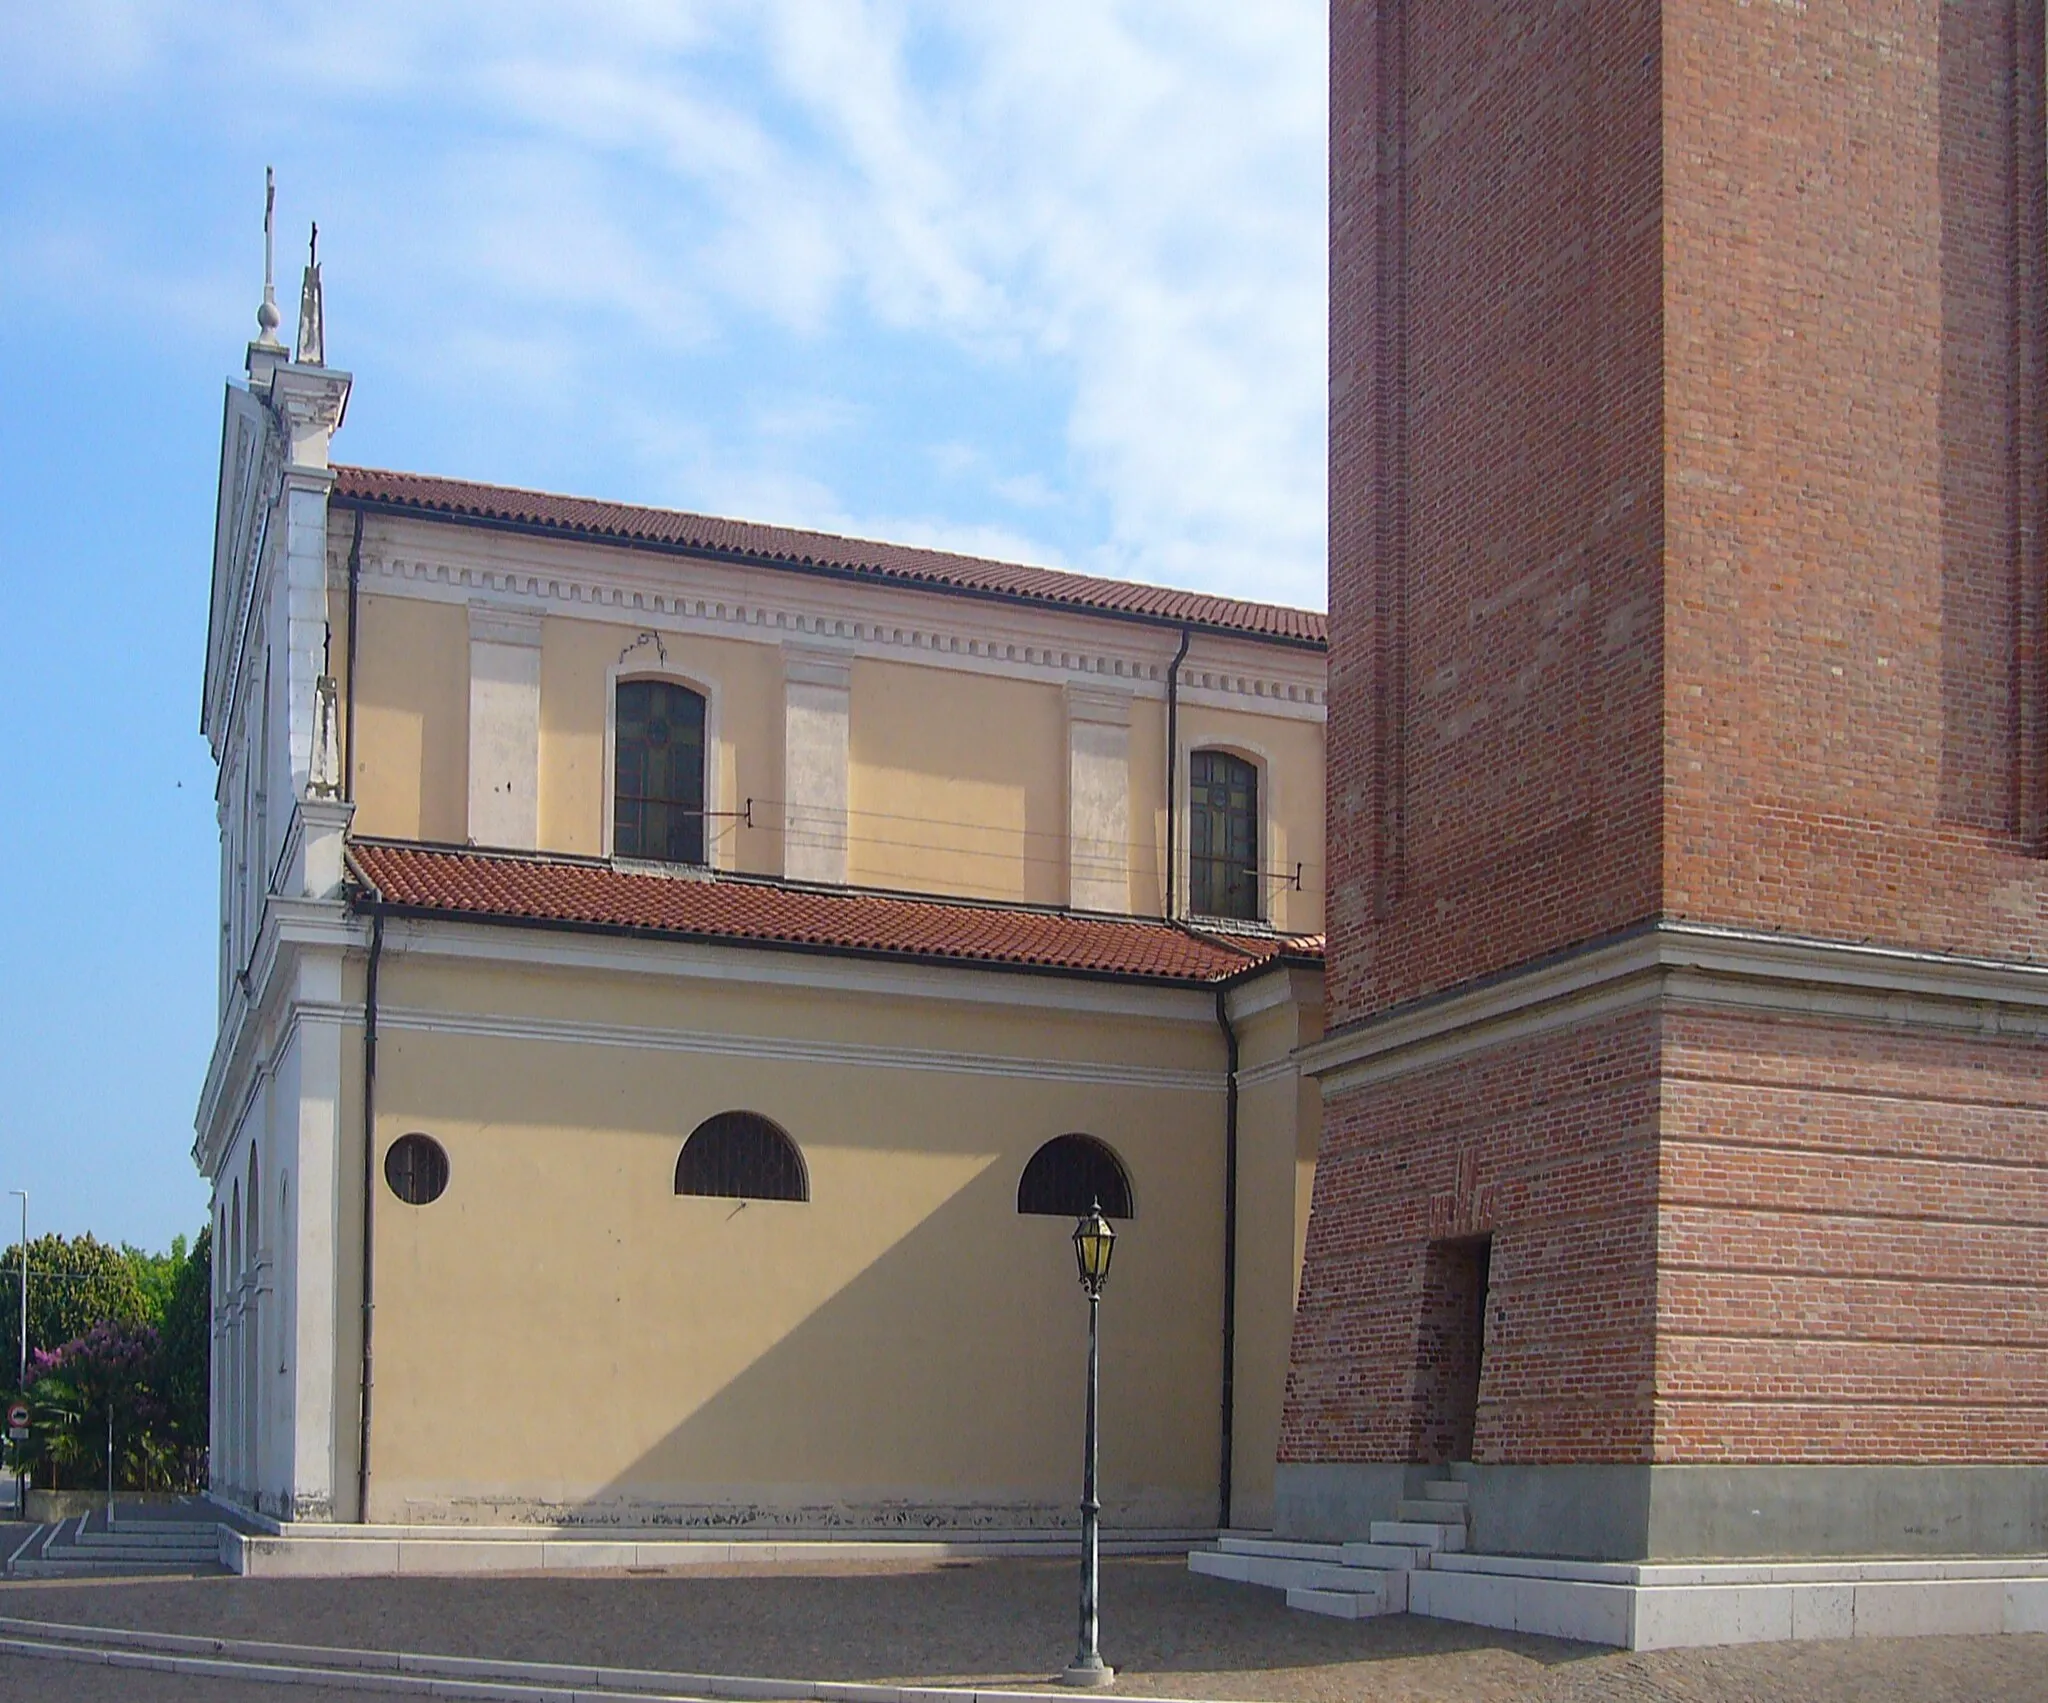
x,y
74,1283
143,1361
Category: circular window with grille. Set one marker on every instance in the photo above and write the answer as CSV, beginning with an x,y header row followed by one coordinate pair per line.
x,y
416,1167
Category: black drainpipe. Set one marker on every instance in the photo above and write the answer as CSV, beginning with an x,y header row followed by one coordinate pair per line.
x,y
1229,1254
348,714
1172,768
369,1199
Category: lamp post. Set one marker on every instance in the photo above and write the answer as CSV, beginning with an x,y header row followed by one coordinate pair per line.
x,y
1094,1242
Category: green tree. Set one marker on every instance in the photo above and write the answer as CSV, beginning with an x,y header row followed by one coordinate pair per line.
x,y
185,1344
74,1283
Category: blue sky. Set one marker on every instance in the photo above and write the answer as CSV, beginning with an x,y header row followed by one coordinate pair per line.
x,y
1044,282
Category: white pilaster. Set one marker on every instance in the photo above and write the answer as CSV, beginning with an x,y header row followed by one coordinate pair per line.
x,y
816,722
1098,799
504,727
309,1102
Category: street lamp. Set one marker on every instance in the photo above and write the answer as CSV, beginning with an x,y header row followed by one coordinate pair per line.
x,y
1094,1242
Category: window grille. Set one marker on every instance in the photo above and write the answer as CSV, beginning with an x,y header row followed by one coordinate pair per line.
x,y
741,1155
1223,836
416,1167
658,773
1070,1174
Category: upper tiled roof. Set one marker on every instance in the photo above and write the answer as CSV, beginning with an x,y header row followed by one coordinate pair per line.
x,y
822,552
582,892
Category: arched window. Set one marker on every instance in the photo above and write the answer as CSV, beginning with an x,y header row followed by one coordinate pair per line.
x,y
255,1210
1223,836
658,773
1072,1173
742,1156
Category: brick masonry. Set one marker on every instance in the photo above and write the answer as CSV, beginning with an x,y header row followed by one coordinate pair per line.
x,y
1687,477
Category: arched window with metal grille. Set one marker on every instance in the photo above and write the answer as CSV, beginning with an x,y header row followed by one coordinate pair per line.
x,y
742,1156
658,772
1072,1173
1223,836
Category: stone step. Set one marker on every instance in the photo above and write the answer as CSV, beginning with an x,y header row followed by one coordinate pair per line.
x,y
1340,1605
1417,1534
1431,1512
1287,1548
1385,1556
1280,1573
1447,1490
149,1540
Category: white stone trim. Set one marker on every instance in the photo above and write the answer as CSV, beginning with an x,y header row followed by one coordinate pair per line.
x,y
725,1044
671,593
504,726
740,962
817,755
1695,965
1098,798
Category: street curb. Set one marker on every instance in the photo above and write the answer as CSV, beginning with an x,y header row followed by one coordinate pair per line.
x,y
458,1676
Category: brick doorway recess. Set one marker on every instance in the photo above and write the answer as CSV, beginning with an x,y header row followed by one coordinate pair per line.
x,y
1450,1348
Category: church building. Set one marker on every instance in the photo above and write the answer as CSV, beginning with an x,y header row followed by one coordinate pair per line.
x,y
680,979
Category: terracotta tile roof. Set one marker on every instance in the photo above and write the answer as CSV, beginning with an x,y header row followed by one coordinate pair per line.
x,y
586,893
822,552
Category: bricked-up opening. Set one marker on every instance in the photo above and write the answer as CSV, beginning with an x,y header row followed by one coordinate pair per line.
x,y
1450,1344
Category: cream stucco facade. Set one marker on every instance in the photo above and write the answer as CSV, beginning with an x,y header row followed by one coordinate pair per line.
x,y
562,1336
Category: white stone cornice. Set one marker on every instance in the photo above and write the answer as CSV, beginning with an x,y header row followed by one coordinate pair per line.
x,y
671,593
683,960
777,1049
1693,965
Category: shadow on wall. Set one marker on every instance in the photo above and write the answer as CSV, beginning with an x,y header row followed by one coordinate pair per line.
x,y
1989,419
943,1387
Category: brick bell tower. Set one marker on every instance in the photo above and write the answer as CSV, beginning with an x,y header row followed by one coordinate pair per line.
x,y
1685,1152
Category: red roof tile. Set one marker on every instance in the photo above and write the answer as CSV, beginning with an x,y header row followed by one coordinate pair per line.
x,y
822,552
580,892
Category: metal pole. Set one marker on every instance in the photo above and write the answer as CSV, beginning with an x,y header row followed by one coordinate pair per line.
x,y
1088,1667
21,1384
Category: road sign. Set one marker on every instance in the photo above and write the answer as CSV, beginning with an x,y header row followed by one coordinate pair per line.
x,y
17,1423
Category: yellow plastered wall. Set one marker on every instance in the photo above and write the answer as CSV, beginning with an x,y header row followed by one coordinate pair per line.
x,y
905,1336
957,784
411,757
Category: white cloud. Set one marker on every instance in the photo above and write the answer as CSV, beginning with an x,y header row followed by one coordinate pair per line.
x,y
1122,201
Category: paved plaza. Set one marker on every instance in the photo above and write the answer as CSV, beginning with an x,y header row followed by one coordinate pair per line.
x,y
1008,1622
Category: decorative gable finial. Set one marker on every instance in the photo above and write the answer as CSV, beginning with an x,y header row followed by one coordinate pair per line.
x,y
267,316
312,349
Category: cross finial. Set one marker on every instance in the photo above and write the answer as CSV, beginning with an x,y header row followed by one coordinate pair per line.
x,y
267,316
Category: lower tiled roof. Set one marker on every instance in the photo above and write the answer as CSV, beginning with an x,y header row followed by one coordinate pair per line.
x,y
587,893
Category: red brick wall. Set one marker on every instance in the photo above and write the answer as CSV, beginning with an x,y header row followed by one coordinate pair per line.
x,y
1852,1245
1855,741
1548,1144
1496,487
1688,464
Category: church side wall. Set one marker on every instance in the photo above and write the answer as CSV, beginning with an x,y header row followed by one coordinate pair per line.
x,y
561,1335
412,720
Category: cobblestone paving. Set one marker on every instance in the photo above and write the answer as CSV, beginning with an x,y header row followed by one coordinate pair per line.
x,y
1171,1633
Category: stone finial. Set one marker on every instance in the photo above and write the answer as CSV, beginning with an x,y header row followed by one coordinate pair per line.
x,y
312,345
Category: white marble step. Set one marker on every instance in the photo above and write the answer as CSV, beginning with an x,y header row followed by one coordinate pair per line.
x,y
1339,1605
1385,1555
1417,1534
1282,1573
1430,1512
1447,1490
1290,1549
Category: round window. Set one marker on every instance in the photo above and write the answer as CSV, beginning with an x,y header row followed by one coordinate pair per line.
x,y
416,1167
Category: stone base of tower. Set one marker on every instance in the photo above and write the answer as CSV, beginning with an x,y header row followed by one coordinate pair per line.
x,y
1695,1244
